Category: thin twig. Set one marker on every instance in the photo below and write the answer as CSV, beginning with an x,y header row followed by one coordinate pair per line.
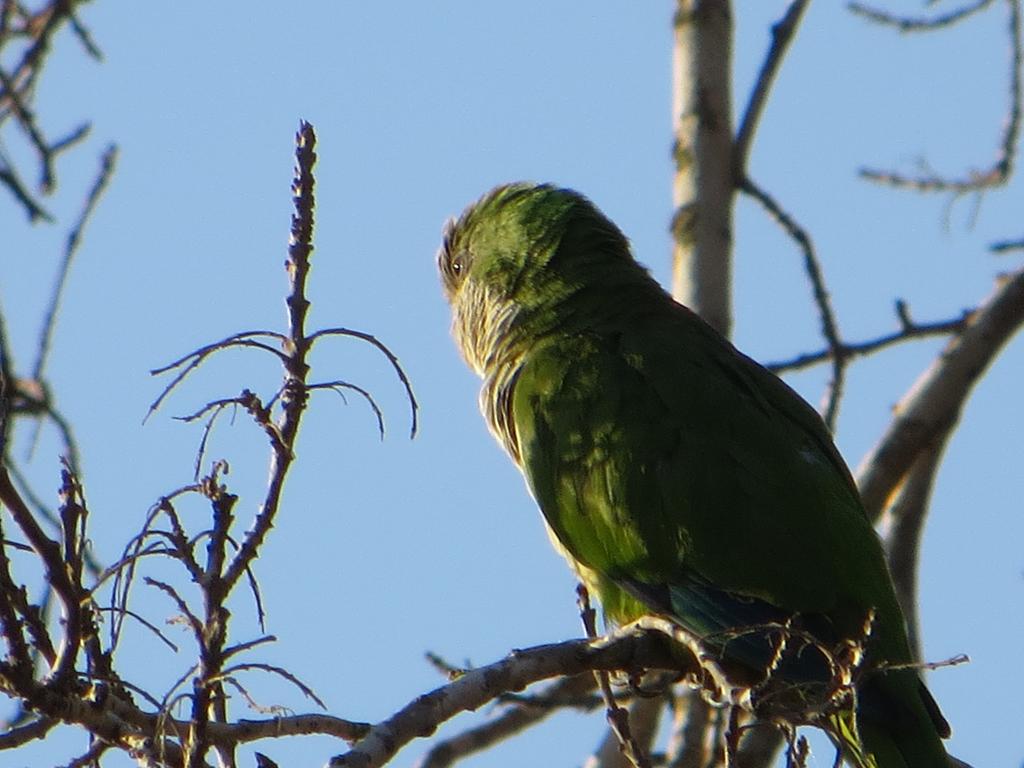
x,y
43,511
1002,169
107,164
339,386
123,571
392,358
19,658
783,32
18,80
917,23
10,179
908,331
1004,246
618,717
84,36
148,625
248,645
643,715
194,359
186,612
25,116
280,672
812,266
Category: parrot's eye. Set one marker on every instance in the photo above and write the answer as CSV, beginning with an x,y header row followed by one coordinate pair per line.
x,y
457,265
452,260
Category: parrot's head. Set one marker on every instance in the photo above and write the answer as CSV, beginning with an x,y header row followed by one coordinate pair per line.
x,y
514,258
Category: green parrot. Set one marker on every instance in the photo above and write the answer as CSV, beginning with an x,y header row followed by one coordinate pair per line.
x,y
678,476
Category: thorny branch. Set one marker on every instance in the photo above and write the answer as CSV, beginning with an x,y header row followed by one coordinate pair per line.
x,y
296,344
220,573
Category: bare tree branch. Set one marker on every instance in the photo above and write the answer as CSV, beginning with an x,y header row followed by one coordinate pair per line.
x,y
644,717
918,24
106,172
783,32
391,357
703,190
829,328
632,649
621,745
47,549
689,743
906,518
25,42
1004,246
909,330
294,399
512,721
760,745
1002,169
36,729
932,405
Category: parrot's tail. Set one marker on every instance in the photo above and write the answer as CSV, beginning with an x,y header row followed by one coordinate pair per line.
x,y
898,725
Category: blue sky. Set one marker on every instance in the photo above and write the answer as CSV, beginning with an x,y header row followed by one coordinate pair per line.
x,y
386,550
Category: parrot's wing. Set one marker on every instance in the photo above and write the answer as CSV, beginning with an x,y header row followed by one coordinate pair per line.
x,y
683,479
744,629
662,462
